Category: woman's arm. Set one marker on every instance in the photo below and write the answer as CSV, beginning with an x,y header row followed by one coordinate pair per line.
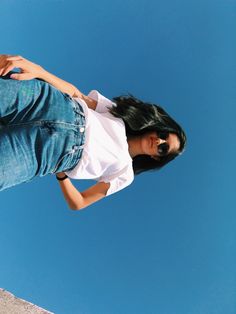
x,y
78,200
60,84
30,70
66,87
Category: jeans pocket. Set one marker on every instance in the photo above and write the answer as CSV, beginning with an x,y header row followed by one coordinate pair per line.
x,y
64,162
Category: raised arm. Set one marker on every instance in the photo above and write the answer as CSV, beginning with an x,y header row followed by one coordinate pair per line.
x,y
78,200
66,88
30,70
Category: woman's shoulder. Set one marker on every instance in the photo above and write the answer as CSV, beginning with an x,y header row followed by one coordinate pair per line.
x,y
119,179
102,103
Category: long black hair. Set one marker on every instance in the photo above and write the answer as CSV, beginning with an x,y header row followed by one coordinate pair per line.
x,y
139,118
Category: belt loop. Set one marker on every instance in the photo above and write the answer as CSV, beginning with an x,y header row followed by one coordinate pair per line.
x,y
77,104
81,109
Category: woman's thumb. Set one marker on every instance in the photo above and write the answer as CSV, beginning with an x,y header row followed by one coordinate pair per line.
x,y
15,76
20,77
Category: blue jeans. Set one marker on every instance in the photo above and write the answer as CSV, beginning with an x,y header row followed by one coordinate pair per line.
x,y
41,131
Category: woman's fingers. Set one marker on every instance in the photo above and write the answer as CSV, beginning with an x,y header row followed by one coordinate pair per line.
x,y
14,58
10,65
3,60
29,70
22,76
4,57
7,69
3,66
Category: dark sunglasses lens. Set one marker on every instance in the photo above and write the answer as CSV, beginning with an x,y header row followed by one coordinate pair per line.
x,y
163,135
163,149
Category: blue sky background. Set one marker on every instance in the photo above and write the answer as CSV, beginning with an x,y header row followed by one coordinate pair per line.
x,y
167,243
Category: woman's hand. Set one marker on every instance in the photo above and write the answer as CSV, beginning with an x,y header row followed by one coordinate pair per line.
x,y
28,70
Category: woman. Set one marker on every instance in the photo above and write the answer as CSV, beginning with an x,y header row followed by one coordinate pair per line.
x,y
48,126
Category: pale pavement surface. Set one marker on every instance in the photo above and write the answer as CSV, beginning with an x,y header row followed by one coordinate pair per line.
x,y
10,304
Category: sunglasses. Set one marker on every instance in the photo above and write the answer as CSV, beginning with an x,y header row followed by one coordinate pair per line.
x,y
164,147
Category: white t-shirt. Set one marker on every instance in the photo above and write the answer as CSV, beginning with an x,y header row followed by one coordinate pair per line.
x,y
105,156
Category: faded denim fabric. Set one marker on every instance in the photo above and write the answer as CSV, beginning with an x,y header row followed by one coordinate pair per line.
x,y
42,131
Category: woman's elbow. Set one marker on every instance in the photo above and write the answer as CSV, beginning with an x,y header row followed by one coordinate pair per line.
x,y
77,207
73,208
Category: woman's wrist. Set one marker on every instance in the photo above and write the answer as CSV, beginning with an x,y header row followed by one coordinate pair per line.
x,y
61,178
60,175
42,73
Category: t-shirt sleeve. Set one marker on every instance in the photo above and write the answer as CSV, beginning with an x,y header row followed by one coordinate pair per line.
x,y
119,181
103,103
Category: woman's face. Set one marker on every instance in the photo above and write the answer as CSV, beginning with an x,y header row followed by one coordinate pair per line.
x,y
150,142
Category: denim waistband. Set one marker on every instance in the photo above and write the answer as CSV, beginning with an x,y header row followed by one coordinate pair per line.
x,y
76,103
81,123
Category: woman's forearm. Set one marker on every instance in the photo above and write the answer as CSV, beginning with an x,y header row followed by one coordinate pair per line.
x,y
72,196
60,84
66,87
79,200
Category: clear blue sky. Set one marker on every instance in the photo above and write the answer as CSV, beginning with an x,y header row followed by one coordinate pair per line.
x,y
167,243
